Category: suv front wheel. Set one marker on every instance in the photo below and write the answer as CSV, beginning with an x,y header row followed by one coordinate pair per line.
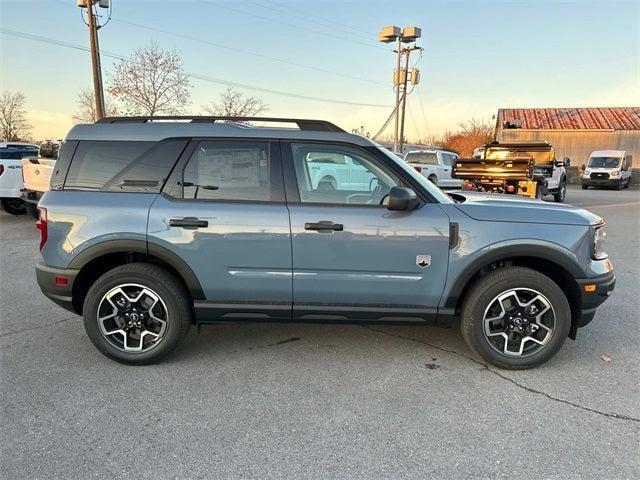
x,y
515,318
137,313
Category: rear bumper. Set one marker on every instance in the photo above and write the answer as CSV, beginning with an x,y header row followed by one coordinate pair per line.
x,y
60,294
30,196
603,286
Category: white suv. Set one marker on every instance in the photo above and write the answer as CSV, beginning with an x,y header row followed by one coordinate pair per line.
x,y
435,164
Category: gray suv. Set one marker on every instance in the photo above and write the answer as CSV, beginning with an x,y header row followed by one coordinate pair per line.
x,y
152,225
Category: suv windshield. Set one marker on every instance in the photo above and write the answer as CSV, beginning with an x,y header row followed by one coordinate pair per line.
x,y
604,162
428,158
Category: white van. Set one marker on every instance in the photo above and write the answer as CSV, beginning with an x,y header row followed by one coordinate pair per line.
x,y
607,168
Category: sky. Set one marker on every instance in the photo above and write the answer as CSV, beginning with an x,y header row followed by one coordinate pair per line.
x,y
478,56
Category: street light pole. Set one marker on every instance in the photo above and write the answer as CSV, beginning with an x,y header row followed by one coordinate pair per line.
x,y
407,35
397,87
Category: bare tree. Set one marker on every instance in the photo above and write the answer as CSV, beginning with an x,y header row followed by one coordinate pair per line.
x,y
484,129
14,125
152,83
86,107
232,103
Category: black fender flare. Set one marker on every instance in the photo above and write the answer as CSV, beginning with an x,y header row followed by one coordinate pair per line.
x,y
141,246
541,250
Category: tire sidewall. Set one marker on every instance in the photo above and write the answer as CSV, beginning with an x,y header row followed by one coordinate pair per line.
x,y
174,330
7,205
474,315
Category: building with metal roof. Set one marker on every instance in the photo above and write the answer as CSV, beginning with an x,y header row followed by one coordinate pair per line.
x,y
574,132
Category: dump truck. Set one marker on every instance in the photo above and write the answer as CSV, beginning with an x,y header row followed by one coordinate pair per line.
x,y
530,169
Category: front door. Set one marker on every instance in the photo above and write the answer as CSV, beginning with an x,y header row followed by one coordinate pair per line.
x,y
223,213
352,257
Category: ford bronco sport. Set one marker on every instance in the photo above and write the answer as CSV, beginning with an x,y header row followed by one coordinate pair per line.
x,y
152,225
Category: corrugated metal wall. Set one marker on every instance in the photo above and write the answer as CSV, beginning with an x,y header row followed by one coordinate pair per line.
x,y
578,144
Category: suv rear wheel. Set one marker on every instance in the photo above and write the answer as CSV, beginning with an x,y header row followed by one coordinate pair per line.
x,y
137,313
515,318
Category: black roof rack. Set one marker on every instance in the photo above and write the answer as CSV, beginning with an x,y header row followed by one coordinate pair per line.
x,y
315,125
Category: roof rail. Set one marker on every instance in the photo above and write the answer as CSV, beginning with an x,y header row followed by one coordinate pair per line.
x,y
316,125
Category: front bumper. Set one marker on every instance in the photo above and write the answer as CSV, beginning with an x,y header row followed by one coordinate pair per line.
x,y
55,291
600,289
601,182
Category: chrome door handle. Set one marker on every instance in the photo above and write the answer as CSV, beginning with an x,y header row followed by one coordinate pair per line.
x,y
324,225
188,222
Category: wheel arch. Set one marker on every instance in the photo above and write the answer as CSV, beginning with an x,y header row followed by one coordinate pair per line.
x,y
558,266
102,257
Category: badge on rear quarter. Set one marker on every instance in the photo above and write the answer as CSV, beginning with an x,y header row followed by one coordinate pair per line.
x,y
423,261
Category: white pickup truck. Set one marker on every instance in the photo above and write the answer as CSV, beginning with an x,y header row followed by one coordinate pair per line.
x,y
36,173
434,164
11,155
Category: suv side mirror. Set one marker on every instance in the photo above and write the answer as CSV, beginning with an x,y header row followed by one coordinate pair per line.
x,y
583,166
402,198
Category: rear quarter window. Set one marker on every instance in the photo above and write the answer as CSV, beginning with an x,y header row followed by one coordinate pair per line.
x,y
122,166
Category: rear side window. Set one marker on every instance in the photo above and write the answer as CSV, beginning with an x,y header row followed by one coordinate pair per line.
x,y
424,158
17,153
226,170
123,166
65,154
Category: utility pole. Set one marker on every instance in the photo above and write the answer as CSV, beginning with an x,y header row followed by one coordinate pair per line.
x,y
401,75
397,88
95,52
414,77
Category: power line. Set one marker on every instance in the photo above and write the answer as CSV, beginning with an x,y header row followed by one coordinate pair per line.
x,y
205,78
314,18
269,19
424,117
247,52
386,122
240,50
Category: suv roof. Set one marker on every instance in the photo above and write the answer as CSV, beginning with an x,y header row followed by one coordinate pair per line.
x,y
159,128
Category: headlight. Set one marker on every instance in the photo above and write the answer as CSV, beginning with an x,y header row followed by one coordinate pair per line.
x,y
587,172
614,174
598,242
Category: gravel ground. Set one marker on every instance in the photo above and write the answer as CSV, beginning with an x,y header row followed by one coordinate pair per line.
x,y
318,401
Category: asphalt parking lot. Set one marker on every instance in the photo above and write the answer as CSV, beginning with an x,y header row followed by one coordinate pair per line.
x,y
318,401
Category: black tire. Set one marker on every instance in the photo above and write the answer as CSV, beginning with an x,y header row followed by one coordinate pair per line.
x,y
626,185
585,187
433,179
483,293
175,297
13,206
561,193
32,208
620,185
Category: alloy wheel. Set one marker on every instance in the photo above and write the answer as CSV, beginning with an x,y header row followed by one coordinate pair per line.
x,y
133,318
519,322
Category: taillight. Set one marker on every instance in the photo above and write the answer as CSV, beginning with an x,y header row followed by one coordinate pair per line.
x,y
1,169
41,225
418,168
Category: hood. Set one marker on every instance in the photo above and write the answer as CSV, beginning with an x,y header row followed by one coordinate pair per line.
x,y
515,208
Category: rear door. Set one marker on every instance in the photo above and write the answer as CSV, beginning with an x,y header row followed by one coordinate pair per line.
x,y
352,257
223,213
